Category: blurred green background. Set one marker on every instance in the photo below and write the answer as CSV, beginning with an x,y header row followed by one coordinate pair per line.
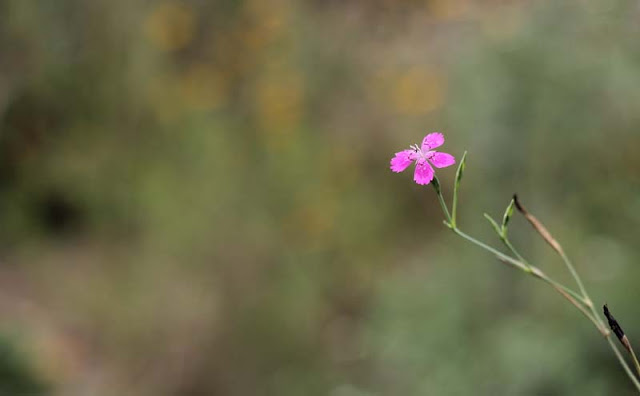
x,y
195,196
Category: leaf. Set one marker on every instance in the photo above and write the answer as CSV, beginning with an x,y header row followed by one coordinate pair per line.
x,y
495,225
460,172
507,216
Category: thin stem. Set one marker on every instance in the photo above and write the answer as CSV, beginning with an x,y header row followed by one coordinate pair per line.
x,y
508,244
594,318
567,293
542,275
565,289
499,254
443,205
585,295
623,363
444,208
454,207
575,275
635,360
544,233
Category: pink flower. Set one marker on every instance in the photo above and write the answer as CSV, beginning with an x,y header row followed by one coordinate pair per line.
x,y
424,157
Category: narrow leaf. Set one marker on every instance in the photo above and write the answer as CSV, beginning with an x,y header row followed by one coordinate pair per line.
x,y
459,172
493,223
507,216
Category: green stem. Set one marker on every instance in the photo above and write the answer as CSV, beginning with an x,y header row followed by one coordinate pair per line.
x,y
575,276
541,275
585,295
623,363
454,206
566,292
593,317
498,253
573,294
443,205
635,361
570,295
573,271
508,244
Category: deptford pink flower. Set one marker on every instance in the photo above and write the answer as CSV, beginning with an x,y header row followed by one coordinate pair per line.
x,y
424,157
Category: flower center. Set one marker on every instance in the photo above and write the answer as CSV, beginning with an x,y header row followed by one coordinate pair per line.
x,y
421,155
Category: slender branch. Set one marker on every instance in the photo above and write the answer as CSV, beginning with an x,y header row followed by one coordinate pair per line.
x,y
577,301
572,293
623,363
508,244
617,330
537,273
546,235
560,289
544,277
575,276
501,256
635,361
436,186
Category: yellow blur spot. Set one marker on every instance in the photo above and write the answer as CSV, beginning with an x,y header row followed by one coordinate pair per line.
x,y
171,26
279,103
418,91
449,9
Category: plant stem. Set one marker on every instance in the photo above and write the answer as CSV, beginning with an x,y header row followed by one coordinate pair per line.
x,y
635,361
586,297
573,297
565,292
499,254
443,205
562,287
534,271
575,275
508,244
542,275
623,363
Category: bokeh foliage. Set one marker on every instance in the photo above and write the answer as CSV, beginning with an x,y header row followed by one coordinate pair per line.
x,y
195,195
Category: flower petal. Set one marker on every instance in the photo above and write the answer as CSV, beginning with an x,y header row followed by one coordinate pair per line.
x,y
442,160
432,141
402,160
424,172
